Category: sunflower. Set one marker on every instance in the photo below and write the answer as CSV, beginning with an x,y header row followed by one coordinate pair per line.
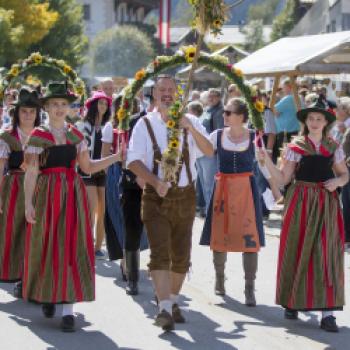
x,y
14,71
79,90
190,52
170,124
37,58
121,114
67,69
140,74
238,72
217,23
259,106
174,144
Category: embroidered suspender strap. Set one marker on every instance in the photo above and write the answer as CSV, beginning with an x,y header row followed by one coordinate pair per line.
x,y
157,154
185,159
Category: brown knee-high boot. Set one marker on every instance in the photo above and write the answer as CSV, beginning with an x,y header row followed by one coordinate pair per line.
x,y
250,265
219,260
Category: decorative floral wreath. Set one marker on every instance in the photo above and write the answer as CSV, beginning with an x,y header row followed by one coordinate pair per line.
x,y
185,55
36,59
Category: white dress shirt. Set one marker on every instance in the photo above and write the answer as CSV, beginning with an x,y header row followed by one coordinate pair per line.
x,y
141,148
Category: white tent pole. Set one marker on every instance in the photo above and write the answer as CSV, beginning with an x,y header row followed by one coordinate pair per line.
x,y
295,92
275,86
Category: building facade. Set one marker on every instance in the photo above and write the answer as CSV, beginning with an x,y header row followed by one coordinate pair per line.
x,y
100,15
325,16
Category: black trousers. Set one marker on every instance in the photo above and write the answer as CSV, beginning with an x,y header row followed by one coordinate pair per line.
x,y
131,204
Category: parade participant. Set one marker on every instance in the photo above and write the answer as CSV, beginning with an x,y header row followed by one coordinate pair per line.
x,y
75,111
59,256
129,191
234,219
98,114
12,219
310,273
168,210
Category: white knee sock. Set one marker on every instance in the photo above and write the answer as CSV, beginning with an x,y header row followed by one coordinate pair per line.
x,y
327,313
174,298
67,309
166,305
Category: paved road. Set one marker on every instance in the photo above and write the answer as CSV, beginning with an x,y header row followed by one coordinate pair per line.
x,y
116,321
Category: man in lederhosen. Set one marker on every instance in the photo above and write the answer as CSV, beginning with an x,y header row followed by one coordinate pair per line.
x,y
168,210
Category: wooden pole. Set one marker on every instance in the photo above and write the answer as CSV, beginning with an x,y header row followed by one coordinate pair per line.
x,y
295,92
275,87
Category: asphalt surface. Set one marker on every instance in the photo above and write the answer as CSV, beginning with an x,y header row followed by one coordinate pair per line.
x,y
118,321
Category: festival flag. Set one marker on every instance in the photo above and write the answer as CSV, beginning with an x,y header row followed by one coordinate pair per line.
x,y
164,22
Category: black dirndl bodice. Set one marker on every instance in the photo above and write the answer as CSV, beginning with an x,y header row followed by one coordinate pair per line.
x,y
315,168
59,156
15,160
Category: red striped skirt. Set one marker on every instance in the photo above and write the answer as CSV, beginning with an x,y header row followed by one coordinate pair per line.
x,y
310,274
59,254
12,227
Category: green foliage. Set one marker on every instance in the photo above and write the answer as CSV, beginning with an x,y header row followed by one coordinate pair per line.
x,y
254,36
150,30
264,11
286,20
66,39
8,35
120,51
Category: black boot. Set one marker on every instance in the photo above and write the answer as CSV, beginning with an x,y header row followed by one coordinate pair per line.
x,y
17,290
132,270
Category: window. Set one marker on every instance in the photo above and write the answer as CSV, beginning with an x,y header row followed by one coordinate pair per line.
x,y
346,21
86,12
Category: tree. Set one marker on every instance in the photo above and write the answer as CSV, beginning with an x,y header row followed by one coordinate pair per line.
x,y
254,35
33,21
66,39
23,23
120,51
264,11
150,30
286,20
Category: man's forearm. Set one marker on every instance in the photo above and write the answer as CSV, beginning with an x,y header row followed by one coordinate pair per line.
x,y
141,171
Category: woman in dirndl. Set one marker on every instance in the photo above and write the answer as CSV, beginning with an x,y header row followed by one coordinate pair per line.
x,y
12,219
234,220
97,115
310,273
59,251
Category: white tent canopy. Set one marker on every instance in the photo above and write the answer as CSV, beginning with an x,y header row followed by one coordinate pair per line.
x,y
311,54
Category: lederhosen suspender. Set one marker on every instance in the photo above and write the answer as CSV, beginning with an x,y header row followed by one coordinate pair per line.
x,y
157,154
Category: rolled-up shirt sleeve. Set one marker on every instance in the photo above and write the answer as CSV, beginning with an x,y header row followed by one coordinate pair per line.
x,y
107,133
201,129
137,149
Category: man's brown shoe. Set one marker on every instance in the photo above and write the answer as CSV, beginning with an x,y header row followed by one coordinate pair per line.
x,y
165,320
177,315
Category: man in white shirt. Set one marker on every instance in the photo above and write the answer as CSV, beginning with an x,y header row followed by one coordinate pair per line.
x,y
168,210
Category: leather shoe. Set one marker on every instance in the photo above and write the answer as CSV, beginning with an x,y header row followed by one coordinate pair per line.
x,y
290,314
68,324
165,321
329,325
177,315
49,310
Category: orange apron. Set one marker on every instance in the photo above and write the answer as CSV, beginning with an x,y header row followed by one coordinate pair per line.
x,y
233,226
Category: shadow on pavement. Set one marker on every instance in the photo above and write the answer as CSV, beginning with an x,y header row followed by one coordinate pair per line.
x,y
273,316
29,315
201,330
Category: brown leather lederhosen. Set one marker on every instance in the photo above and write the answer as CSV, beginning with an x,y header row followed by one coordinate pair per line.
x,y
169,220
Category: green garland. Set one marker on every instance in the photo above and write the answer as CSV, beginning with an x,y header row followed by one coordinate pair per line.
x,y
37,59
184,56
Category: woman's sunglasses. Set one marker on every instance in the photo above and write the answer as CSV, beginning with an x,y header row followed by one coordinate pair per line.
x,y
228,113
75,105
